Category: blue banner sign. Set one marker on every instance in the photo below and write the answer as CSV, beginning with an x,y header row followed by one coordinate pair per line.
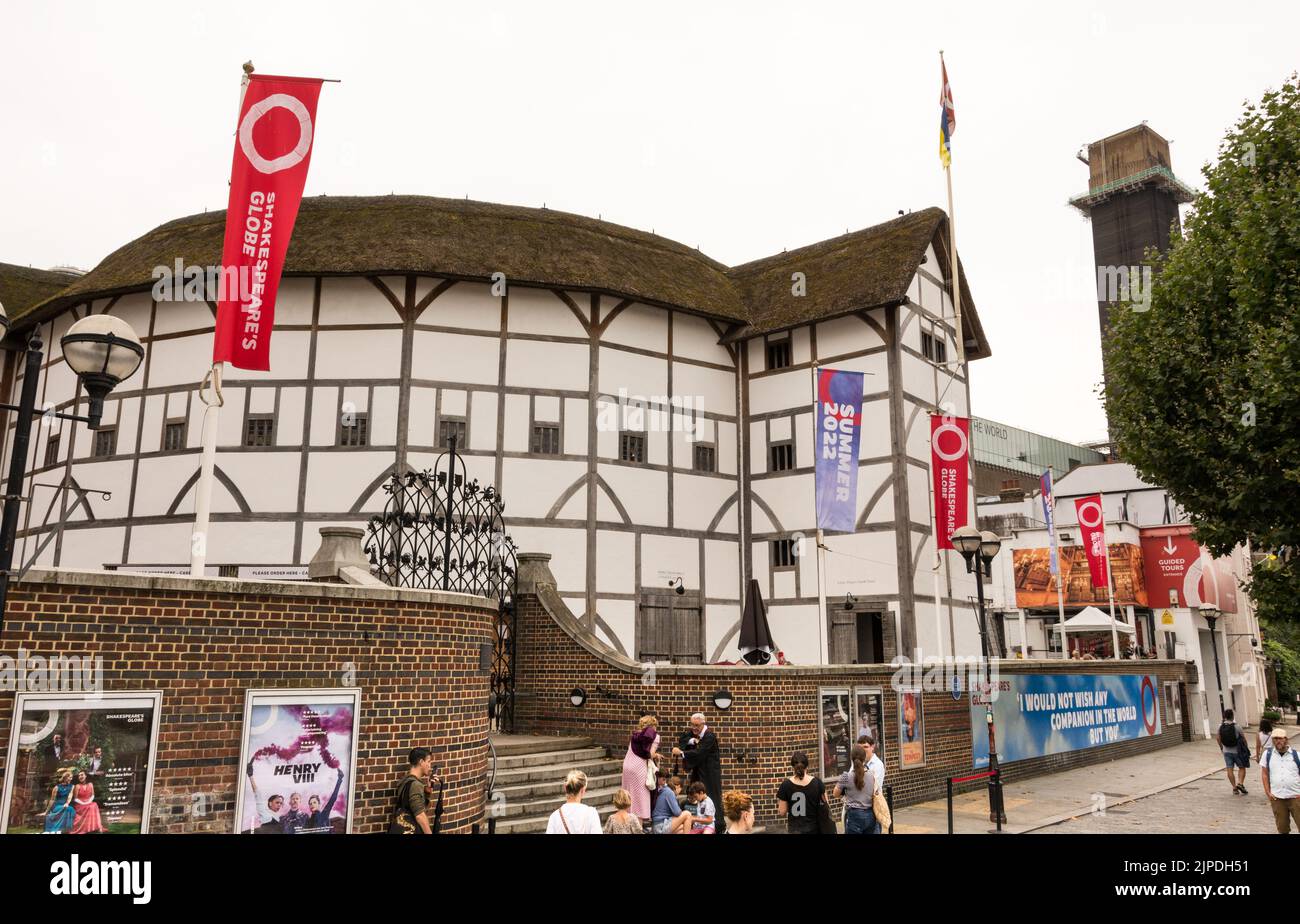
x,y
839,434
1039,714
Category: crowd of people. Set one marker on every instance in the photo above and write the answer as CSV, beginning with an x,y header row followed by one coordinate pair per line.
x,y
653,800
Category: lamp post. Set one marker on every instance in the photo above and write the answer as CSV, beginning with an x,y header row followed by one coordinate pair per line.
x,y
970,542
102,350
979,549
1210,613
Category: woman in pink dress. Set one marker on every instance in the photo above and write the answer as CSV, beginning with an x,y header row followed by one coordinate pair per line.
x,y
87,820
642,748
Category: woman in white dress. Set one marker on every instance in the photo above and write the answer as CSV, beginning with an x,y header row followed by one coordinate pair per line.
x,y
573,817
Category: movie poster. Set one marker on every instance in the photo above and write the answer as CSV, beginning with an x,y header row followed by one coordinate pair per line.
x,y
81,764
298,760
911,729
871,719
836,732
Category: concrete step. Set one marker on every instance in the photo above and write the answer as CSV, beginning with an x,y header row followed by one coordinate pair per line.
x,y
510,745
554,773
536,824
601,798
549,758
524,792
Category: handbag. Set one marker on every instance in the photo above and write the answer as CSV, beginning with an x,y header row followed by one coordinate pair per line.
x,y
825,823
880,808
403,822
651,775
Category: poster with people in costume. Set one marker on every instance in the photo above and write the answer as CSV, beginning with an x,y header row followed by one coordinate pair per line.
x,y
298,760
911,729
81,764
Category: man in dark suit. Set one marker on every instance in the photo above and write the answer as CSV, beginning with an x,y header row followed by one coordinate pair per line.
x,y
698,749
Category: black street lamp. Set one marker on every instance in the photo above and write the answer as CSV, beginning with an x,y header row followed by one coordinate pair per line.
x,y
1210,613
970,541
102,350
979,549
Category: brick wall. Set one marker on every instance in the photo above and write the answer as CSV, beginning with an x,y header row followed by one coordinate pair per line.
x,y
414,654
774,711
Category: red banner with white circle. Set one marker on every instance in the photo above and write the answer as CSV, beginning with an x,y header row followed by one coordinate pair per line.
x,y
1092,531
949,467
272,154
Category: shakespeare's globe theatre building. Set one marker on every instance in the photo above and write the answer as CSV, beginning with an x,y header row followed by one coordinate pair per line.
x,y
645,411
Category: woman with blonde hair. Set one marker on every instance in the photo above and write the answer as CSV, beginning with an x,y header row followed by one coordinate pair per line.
x,y
622,821
573,817
59,811
739,811
639,765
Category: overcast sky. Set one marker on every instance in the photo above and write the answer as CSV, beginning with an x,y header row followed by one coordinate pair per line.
x,y
742,128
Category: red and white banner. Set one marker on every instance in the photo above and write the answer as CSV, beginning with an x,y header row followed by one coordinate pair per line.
x,y
949,454
272,153
1179,572
1092,530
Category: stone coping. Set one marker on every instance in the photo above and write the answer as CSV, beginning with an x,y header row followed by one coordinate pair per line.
x,y
130,580
568,623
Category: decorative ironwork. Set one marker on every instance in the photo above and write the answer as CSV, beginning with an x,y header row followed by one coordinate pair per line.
x,y
442,530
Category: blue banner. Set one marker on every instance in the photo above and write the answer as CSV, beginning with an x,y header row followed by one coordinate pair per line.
x,y
1039,714
1049,517
839,434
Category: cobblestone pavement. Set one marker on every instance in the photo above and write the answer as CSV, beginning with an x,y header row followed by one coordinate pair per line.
x,y
1205,806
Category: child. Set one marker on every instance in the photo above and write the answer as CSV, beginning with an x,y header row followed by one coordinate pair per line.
x,y
667,816
621,821
701,806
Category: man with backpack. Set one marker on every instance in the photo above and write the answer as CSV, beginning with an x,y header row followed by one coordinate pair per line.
x,y
1235,753
1281,777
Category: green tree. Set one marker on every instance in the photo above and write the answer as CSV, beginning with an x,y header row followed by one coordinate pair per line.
x,y
1203,388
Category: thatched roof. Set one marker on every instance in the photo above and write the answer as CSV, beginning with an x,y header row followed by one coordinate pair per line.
x,y
23,288
461,238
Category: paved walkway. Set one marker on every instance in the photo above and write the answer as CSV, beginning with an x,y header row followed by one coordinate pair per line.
x,y
1036,803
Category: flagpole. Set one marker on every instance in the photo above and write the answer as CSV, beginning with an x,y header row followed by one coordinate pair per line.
x,y
210,395
952,240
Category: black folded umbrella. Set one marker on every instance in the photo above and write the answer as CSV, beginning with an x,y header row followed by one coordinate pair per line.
x,y
756,645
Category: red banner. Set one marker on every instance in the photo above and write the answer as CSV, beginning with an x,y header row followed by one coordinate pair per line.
x,y
272,153
1092,530
1181,573
949,450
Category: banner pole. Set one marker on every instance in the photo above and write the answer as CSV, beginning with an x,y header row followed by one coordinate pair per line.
x,y
938,559
1060,569
207,465
211,414
823,648
1110,586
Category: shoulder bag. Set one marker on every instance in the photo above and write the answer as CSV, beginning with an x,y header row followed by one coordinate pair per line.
x,y
403,822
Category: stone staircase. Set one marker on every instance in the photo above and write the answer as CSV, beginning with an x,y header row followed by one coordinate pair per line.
x,y
530,772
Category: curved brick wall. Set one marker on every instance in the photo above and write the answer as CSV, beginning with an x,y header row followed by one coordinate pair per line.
x,y
775,708
415,656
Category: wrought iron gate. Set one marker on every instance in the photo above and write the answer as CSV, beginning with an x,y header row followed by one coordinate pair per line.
x,y
440,530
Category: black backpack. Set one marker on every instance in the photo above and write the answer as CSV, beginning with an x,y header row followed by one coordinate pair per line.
x,y
1228,734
